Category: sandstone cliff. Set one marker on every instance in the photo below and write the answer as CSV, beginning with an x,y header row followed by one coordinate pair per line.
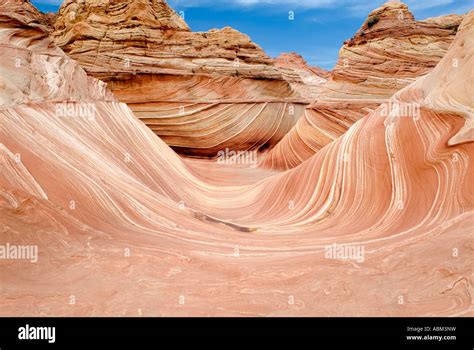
x,y
128,228
175,80
389,51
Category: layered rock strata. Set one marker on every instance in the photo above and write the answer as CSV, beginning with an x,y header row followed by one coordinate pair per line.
x,y
200,91
378,223
389,52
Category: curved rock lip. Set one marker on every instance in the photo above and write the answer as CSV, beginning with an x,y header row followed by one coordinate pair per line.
x,y
100,217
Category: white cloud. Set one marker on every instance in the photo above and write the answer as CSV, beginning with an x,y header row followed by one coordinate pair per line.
x,y
349,4
250,3
352,8
352,5
247,3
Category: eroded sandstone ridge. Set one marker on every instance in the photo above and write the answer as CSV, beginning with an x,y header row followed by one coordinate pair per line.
x,y
389,51
33,68
126,227
200,91
305,79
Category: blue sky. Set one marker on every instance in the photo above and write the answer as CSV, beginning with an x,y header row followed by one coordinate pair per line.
x,y
317,31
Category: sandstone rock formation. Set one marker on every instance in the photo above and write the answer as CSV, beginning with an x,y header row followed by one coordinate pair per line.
x,y
128,228
295,61
389,51
33,68
201,92
305,79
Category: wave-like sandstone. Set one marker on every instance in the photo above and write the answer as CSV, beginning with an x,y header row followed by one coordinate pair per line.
x,y
33,68
168,74
124,226
389,52
309,80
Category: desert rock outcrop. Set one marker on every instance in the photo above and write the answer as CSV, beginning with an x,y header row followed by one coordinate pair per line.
x,y
201,92
128,228
389,52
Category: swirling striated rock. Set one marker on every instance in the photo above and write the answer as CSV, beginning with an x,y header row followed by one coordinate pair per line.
x,y
396,48
449,86
389,51
180,82
293,60
24,11
379,222
305,79
33,68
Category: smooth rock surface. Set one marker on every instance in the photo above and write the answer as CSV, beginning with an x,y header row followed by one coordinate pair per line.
x,y
125,227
